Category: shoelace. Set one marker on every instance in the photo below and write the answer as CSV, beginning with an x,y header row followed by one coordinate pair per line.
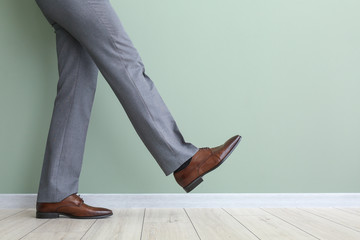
x,y
81,199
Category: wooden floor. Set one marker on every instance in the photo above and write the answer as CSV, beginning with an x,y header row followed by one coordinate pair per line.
x,y
188,224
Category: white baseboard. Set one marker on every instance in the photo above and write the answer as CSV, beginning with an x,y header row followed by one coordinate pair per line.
x,y
199,200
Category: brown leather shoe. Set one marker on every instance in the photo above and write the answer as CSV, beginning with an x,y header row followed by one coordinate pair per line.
x,y
72,206
204,160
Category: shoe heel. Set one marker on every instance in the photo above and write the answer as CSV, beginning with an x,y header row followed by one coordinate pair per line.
x,y
46,215
192,185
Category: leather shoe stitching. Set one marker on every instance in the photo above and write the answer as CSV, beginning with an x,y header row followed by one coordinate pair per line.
x,y
68,205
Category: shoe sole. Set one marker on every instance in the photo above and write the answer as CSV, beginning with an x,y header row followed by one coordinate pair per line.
x,y
199,179
56,215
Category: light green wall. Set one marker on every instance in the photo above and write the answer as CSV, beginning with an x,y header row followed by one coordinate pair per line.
x,y
283,74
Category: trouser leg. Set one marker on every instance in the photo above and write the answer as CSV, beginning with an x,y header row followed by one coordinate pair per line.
x,y
95,24
69,123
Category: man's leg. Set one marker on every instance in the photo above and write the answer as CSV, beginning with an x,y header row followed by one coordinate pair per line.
x,y
95,24
68,128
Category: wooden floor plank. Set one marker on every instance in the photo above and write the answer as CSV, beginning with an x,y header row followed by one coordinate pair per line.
x,y
125,223
314,225
266,226
215,223
61,228
167,223
20,224
6,212
189,223
351,210
347,219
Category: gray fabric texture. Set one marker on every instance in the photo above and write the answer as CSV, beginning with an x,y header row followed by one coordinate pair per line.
x,y
90,38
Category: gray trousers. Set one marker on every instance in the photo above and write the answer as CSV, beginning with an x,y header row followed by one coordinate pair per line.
x,y
90,37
